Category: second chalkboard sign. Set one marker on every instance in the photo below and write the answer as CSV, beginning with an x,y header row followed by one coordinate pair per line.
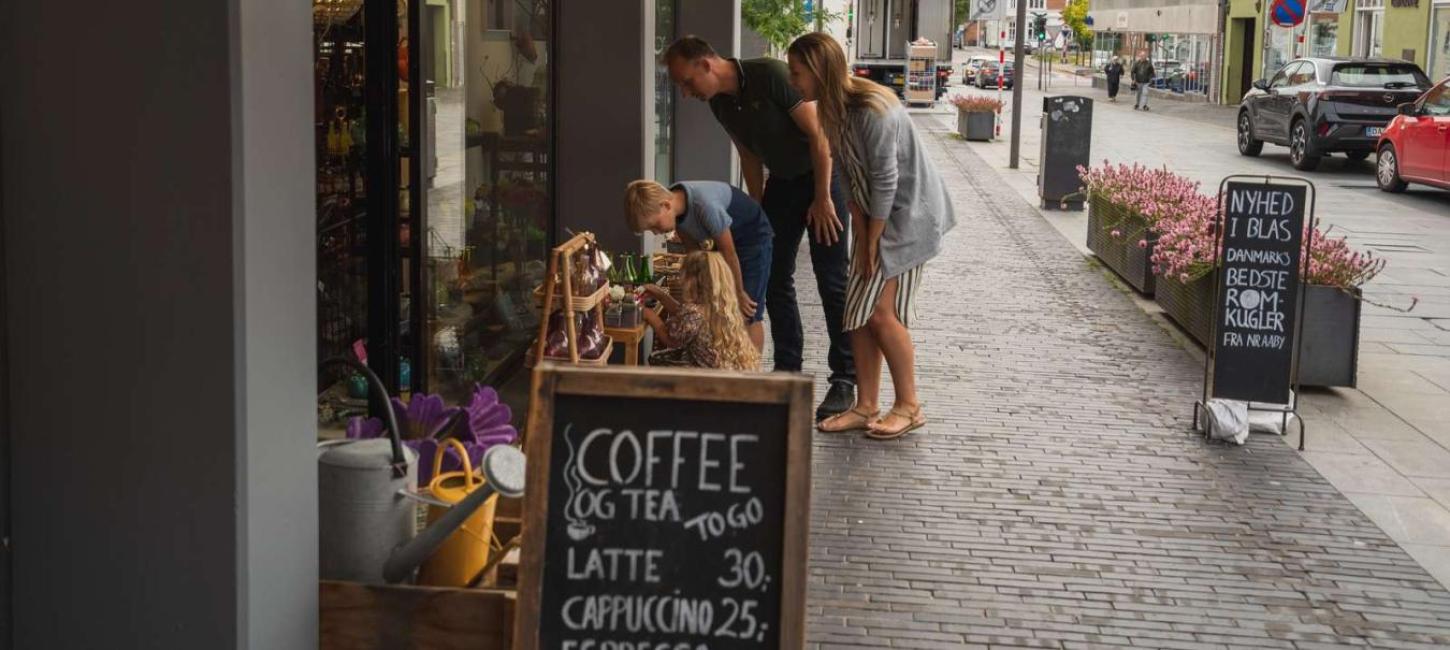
x,y
665,510
1257,313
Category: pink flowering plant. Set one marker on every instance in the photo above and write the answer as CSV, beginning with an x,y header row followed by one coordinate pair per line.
x,y
1138,200
1171,212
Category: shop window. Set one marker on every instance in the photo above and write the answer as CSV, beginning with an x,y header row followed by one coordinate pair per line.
x,y
1324,35
341,141
430,243
490,206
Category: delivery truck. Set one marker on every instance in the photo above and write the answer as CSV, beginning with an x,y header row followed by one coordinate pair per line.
x,y
883,29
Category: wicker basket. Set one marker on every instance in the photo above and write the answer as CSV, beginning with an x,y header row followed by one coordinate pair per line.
x,y
1121,254
577,303
1190,305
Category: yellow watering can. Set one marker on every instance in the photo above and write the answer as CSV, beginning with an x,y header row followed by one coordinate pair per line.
x,y
465,552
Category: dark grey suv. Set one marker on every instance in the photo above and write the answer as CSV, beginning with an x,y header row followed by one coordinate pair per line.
x,y
1321,106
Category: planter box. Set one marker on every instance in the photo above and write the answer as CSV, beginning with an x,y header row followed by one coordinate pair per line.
x,y
1190,305
1329,347
1329,350
1121,254
367,617
976,127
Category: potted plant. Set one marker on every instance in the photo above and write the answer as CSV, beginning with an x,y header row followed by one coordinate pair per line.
x,y
976,117
1125,206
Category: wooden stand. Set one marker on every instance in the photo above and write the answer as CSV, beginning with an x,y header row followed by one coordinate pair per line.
x,y
561,266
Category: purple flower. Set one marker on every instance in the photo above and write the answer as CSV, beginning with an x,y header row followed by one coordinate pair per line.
x,y
489,423
423,416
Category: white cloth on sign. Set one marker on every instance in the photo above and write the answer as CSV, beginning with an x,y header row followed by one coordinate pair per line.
x,y
1227,420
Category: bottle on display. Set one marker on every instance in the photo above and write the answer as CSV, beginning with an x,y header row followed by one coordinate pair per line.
x,y
646,270
628,271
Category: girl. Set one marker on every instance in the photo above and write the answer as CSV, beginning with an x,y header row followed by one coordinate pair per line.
x,y
900,211
707,330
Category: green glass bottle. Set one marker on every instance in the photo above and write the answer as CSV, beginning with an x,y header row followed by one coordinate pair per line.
x,y
646,270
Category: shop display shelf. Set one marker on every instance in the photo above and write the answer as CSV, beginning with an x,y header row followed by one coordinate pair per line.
x,y
600,362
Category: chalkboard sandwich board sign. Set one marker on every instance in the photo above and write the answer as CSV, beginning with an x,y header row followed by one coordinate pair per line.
x,y
1254,351
665,510
1259,290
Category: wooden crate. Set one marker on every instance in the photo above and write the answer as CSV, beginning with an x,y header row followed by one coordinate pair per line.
x,y
397,617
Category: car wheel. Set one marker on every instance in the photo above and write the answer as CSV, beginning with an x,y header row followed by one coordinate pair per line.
x,y
1248,144
1387,171
1299,148
1357,156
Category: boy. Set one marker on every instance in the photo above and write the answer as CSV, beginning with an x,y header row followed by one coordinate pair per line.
x,y
712,215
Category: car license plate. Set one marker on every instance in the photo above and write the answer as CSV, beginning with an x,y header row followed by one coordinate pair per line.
x,y
1373,131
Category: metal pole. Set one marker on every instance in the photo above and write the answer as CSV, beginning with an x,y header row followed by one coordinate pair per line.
x,y
1019,57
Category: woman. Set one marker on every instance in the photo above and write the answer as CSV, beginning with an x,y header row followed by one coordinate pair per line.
x,y
1114,71
900,211
707,329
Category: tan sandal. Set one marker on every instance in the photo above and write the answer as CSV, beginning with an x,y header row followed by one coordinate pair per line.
x,y
835,424
914,420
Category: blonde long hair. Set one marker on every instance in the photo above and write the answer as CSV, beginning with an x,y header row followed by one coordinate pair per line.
x,y
837,90
710,284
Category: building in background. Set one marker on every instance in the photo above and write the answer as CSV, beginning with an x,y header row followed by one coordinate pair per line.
x,y
1182,38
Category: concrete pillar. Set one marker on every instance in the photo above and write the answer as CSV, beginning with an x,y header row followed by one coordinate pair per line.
x,y
160,323
703,150
604,115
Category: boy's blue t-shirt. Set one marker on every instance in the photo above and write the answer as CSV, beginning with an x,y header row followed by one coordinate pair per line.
x,y
711,207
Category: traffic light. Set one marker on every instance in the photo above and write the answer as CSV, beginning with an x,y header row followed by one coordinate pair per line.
x,y
1039,26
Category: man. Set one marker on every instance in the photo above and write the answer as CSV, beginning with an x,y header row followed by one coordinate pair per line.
x,y
1114,72
1142,74
774,128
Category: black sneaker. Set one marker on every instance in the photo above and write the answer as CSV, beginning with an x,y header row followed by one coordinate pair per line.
x,y
839,398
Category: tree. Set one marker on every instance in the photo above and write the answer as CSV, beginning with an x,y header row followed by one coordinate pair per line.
x,y
1074,15
780,21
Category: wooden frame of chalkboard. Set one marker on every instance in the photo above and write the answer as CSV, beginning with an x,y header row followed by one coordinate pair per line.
x,y
1260,275
774,407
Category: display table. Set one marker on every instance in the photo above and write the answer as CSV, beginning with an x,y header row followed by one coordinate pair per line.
x,y
631,337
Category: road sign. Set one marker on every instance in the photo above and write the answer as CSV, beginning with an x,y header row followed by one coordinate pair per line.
x,y
1287,13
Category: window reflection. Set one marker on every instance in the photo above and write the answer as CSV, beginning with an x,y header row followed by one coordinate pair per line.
x,y
489,202
664,94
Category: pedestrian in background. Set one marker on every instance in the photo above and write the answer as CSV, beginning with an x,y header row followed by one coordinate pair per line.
x,y
1142,74
1114,70
901,212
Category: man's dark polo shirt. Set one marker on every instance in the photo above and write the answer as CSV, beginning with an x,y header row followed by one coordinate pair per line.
x,y
759,117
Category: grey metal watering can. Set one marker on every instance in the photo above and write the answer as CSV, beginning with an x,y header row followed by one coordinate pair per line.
x,y
362,513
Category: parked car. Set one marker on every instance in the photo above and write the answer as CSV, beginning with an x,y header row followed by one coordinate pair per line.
x,y
1326,105
972,67
1415,147
987,75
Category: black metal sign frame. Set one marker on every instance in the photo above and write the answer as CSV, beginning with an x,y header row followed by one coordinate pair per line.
x,y
1310,225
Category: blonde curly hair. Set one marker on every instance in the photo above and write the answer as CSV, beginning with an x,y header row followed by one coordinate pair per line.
x,y
710,284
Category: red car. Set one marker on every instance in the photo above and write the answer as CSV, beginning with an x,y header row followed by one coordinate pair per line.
x,y
1415,147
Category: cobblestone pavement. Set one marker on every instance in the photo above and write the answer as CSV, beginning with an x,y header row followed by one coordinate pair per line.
x,y
1058,500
